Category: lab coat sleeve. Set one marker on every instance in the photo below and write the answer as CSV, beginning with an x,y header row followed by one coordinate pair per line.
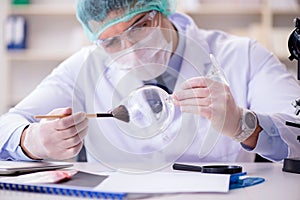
x,y
277,142
9,143
270,93
55,91
269,144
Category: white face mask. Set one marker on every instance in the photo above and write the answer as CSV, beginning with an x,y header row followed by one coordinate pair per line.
x,y
148,58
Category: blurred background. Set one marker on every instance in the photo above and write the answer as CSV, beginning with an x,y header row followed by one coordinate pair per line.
x,y
37,35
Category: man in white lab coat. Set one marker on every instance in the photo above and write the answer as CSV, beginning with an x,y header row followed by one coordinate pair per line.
x,y
218,121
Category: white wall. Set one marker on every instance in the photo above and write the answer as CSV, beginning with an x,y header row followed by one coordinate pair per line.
x,y
3,64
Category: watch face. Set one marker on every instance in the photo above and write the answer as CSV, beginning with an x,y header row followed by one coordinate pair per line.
x,y
250,120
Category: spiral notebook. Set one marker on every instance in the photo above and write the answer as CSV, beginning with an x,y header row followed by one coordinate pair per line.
x,y
81,184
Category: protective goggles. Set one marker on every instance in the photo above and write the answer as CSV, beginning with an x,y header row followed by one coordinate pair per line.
x,y
135,33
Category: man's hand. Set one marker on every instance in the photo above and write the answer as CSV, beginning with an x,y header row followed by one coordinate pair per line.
x,y
212,100
57,139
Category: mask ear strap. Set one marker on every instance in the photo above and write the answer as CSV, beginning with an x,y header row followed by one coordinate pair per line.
x,y
157,19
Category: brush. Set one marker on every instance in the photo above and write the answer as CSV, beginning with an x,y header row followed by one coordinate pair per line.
x,y
120,113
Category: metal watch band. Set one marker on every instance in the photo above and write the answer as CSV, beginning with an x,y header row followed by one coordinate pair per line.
x,y
243,136
245,130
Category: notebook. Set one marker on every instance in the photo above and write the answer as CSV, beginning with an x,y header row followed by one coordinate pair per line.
x,y
81,184
18,167
118,185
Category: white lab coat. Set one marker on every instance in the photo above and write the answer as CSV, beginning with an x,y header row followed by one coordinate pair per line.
x,y
258,81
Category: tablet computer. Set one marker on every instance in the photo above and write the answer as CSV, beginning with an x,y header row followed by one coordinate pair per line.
x,y
22,167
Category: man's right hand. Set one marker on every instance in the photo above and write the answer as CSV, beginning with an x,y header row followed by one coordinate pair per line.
x,y
57,139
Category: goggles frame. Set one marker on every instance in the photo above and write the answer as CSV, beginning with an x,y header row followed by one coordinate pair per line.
x,y
133,34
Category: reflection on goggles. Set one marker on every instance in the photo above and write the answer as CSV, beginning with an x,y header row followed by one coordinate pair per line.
x,y
135,33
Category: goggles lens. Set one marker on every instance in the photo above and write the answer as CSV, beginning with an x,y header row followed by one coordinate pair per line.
x,y
135,33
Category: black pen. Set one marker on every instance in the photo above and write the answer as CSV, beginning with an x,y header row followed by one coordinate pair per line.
x,y
184,167
216,169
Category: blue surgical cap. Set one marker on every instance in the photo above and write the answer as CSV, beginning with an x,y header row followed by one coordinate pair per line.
x,y
97,15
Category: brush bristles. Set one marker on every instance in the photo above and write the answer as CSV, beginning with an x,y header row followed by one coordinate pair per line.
x,y
121,113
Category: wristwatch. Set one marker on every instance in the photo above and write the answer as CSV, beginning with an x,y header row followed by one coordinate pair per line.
x,y
248,125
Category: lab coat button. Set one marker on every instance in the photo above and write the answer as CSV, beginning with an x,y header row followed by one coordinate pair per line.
x,y
273,131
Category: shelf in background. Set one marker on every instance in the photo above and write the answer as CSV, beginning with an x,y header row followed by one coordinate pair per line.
x,y
218,9
286,11
43,9
38,55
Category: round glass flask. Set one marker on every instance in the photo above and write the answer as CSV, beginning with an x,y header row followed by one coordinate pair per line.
x,y
150,110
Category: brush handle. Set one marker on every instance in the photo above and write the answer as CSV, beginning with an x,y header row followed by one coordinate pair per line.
x,y
62,116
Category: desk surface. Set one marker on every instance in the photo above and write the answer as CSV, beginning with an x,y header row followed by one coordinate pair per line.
x,y
278,185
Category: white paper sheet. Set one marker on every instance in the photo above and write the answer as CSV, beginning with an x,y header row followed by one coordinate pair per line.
x,y
164,182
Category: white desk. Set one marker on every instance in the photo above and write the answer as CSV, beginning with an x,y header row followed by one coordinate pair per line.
x,y
279,185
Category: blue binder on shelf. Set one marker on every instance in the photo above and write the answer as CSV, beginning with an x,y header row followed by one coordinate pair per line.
x,y
80,185
16,32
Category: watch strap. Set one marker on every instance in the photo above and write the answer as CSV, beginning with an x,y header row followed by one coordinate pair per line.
x,y
246,132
